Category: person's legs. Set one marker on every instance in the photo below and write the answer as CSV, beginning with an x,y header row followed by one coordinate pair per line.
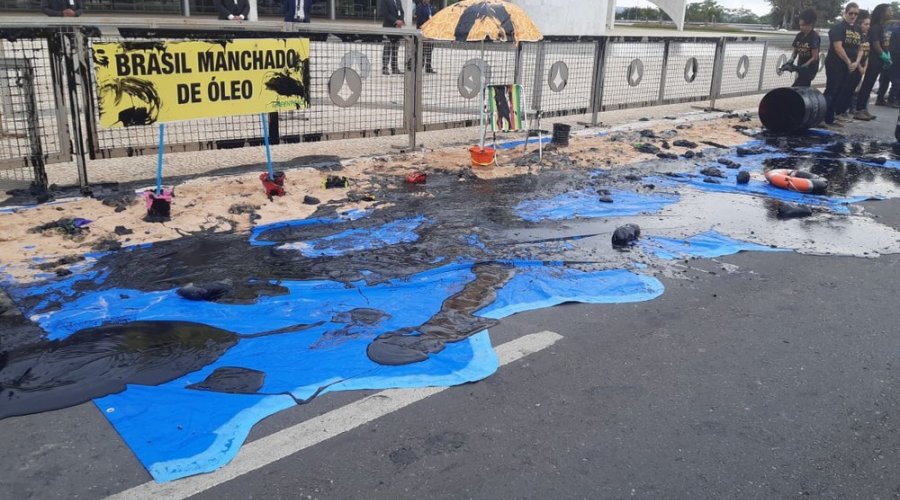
x,y
874,69
429,48
884,81
395,50
385,56
845,93
804,78
894,93
835,76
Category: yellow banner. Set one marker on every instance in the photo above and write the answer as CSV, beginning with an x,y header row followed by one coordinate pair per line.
x,y
142,83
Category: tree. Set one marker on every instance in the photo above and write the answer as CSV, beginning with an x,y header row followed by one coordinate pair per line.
x,y
707,11
742,16
785,13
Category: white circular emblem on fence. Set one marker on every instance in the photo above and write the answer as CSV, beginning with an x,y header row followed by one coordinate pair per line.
x,y
472,76
782,59
743,67
344,87
690,70
635,72
358,61
558,77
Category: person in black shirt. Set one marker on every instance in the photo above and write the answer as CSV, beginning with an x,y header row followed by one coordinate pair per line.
x,y
424,12
806,49
884,79
878,57
863,22
392,17
841,59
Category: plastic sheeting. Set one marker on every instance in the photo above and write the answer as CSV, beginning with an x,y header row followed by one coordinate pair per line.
x,y
709,244
176,432
355,240
586,204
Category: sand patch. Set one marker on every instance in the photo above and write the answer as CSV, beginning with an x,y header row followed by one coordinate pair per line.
x,y
204,204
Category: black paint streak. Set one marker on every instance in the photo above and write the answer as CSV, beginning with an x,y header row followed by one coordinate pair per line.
x,y
232,380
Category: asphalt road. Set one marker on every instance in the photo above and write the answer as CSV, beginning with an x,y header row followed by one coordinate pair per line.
x,y
774,379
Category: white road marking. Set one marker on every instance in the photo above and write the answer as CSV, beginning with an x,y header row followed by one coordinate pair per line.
x,y
288,441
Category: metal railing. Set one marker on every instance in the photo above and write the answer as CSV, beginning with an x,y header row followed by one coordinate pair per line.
x,y
49,112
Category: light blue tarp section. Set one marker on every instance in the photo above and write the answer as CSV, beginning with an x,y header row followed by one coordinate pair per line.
x,y
358,240
709,244
537,286
586,204
177,432
258,231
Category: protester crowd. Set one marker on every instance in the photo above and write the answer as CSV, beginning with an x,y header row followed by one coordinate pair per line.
x,y
861,54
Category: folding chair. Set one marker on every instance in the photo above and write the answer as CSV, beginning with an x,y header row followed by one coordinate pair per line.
x,y
504,108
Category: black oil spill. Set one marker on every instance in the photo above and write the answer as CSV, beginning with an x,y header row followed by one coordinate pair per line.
x,y
95,362
454,322
41,375
232,380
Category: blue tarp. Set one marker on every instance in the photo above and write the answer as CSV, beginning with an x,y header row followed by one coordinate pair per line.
x,y
708,244
357,240
176,432
586,204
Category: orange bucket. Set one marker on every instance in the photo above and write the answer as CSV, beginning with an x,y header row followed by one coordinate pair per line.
x,y
482,157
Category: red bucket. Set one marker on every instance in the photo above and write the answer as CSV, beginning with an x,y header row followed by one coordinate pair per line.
x,y
482,157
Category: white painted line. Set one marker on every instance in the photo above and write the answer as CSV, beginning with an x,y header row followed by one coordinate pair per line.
x,y
288,441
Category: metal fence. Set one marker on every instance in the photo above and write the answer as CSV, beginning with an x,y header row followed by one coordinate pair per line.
x,y
49,112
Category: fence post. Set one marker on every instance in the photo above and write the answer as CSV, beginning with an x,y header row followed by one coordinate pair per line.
x,y
517,72
412,94
274,133
597,81
72,50
57,72
33,128
665,68
716,85
538,90
762,69
79,59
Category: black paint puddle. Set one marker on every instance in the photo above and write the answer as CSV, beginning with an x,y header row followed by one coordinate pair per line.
x,y
455,321
99,361
232,380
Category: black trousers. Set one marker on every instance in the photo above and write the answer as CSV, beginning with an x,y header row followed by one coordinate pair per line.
x,y
894,76
884,81
806,75
427,49
389,54
846,95
836,76
872,74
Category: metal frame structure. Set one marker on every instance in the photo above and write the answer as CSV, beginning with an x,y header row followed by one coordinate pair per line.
x,y
47,81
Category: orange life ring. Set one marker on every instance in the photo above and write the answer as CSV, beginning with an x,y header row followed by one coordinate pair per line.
x,y
797,180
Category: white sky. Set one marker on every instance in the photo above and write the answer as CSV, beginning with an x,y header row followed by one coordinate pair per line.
x,y
759,7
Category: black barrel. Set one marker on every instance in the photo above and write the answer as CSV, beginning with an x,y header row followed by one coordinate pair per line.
x,y
792,109
561,134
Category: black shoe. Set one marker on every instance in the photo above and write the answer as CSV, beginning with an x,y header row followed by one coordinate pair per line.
x,y
880,102
430,70
397,71
385,71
